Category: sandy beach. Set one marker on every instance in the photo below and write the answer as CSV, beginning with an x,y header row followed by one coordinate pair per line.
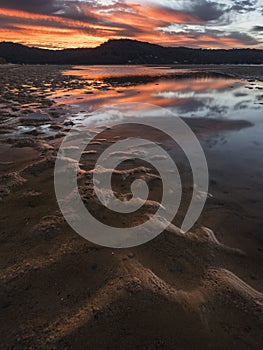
x,y
200,290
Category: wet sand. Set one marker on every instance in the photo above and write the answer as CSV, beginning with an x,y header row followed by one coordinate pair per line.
x,y
202,290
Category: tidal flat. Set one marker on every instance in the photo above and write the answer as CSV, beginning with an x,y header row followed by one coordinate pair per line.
x,y
59,291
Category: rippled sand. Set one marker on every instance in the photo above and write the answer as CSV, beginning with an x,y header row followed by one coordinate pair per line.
x,y
59,291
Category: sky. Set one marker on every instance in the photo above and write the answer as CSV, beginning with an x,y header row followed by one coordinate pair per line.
x,y
57,24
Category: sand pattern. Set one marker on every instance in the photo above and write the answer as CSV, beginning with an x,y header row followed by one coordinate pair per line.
x,y
58,291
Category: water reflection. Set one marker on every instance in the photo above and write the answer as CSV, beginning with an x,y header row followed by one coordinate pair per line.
x,y
189,94
115,71
186,93
234,157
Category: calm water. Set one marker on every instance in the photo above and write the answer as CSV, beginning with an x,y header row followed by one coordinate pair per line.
x,y
187,97
235,158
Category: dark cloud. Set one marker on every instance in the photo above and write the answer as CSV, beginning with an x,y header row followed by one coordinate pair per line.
x,y
217,35
244,6
207,10
63,8
69,7
35,6
257,29
244,38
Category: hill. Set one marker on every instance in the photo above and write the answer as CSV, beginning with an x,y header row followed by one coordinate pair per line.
x,y
127,51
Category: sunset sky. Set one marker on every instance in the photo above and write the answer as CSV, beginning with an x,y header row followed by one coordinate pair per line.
x,y
88,23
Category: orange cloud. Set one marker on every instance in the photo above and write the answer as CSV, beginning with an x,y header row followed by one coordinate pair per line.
x,y
96,25
167,15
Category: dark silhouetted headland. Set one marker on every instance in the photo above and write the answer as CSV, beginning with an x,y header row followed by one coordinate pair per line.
x,y
126,51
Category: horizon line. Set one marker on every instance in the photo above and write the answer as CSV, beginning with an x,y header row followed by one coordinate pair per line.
x,y
126,39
